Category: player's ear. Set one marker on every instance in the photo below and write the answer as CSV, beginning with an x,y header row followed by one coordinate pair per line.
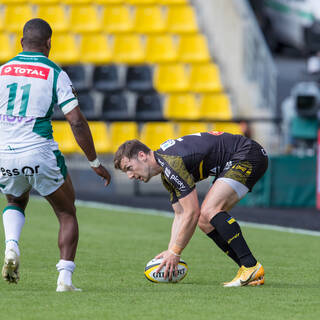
x,y
142,156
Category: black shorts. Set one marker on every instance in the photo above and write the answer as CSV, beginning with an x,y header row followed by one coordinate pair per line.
x,y
249,170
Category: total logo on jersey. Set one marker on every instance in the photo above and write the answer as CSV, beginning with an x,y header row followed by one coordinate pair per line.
x,y
26,70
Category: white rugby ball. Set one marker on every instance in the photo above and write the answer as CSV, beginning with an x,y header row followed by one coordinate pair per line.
x,y
152,266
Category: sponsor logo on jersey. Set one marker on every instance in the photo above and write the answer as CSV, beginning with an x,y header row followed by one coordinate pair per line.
x,y
228,165
167,172
216,133
26,171
15,119
160,162
25,70
167,144
180,184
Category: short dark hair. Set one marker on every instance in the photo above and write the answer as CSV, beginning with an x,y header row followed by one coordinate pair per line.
x,y
36,32
129,149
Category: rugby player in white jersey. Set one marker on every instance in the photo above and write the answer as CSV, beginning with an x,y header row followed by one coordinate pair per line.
x,y
30,85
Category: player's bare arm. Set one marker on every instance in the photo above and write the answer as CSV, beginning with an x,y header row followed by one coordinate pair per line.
x,y
82,134
183,230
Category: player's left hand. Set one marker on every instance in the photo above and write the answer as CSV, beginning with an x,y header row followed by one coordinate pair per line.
x,y
170,261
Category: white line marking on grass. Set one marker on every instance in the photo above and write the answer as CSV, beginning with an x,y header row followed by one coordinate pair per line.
x,y
168,214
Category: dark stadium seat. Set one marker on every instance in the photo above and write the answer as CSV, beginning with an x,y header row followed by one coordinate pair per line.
x,y
77,76
115,107
106,78
139,78
149,107
86,103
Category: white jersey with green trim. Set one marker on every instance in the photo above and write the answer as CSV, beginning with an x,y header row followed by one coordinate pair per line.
x,y
30,86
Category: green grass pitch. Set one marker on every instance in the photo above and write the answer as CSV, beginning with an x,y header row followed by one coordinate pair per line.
x,y
113,250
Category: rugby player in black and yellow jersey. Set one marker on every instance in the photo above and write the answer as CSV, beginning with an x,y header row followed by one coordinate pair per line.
x,y
236,162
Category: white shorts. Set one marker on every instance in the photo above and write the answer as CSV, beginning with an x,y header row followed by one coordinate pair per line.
x,y
42,168
237,186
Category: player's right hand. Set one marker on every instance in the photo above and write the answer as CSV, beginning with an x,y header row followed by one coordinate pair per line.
x,y
104,173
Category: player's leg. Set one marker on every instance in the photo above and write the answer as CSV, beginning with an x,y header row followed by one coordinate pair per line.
x,y
62,202
221,204
13,220
221,198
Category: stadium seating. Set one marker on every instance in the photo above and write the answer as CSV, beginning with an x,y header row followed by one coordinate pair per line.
x,y
148,107
84,18
149,19
205,78
122,131
139,78
55,15
154,133
95,49
86,104
231,127
144,60
185,128
63,135
181,19
181,106
6,52
64,49
101,136
171,78
193,48
161,49
128,48
106,78
115,107
15,16
215,106
77,75
117,19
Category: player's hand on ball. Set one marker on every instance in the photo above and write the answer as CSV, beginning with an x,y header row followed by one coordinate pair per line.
x,y
104,173
170,261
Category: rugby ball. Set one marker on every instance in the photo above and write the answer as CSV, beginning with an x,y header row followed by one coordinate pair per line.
x,y
152,266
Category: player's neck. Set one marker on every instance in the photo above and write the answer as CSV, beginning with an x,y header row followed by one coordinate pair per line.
x,y
156,168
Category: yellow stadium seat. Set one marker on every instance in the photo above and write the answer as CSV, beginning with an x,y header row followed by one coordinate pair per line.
x,y
205,78
95,48
6,52
141,2
85,18
161,49
77,1
149,19
171,78
169,2
13,1
100,135
181,19
122,131
17,48
1,20
110,1
215,106
185,128
181,106
231,127
117,18
63,135
128,48
43,2
154,133
193,48
15,17
55,15
64,49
